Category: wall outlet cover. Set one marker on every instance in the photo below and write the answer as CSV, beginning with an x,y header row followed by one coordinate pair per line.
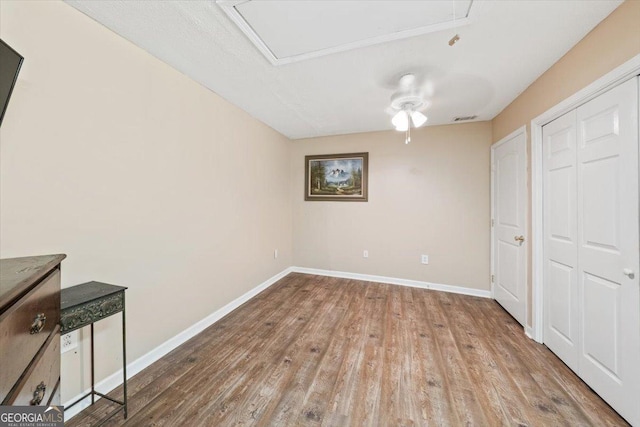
x,y
424,259
69,341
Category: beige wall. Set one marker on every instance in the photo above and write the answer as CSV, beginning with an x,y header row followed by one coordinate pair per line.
x,y
614,41
429,197
141,176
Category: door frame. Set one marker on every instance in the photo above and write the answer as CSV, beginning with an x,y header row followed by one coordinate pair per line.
x,y
622,73
518,132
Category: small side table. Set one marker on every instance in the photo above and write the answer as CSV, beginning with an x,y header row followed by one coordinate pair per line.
x,y
84,305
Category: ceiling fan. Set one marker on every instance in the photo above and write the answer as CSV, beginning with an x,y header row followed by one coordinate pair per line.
x,y
407,101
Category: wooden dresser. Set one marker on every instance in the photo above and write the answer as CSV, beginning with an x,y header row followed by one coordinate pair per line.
x,y
30,330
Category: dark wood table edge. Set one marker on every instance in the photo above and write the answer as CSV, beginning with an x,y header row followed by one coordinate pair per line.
x,y
21,289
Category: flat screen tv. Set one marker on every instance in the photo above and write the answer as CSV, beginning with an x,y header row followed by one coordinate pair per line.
x,y
10,63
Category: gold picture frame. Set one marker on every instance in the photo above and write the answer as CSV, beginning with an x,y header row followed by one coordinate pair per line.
x,y
337,177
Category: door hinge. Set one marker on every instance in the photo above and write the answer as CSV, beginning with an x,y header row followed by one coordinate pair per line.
x,y
492,222
493,278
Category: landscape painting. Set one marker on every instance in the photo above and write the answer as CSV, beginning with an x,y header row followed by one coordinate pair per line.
x,y
336,177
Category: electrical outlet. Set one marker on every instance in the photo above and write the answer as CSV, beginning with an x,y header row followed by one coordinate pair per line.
x,y
69,341
425,259
275,254
365,254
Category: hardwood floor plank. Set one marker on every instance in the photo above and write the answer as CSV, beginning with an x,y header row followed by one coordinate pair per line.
x,y
162,374
313,350
430,383
339,400
499,396
229,339
370,370
541,363
283,358
240,361
459,387
397,353
317,408
298,362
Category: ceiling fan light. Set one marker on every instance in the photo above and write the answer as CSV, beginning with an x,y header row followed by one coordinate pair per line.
x,y
401,121
418,118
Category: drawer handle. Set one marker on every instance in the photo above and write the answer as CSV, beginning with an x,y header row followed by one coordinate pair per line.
x,y
38,395
38,323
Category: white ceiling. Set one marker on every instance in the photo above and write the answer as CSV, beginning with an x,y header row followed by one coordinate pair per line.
x,y
504,48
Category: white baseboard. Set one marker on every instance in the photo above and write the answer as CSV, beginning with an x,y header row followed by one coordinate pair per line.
x,y
528,331
395,281
115,380
531,333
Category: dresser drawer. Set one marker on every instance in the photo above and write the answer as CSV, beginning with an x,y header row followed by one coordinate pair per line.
x,y
54,397
41,378
24,328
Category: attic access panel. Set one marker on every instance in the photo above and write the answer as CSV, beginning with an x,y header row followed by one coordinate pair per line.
x,y
287,31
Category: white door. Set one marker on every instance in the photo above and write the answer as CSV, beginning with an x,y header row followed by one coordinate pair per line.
x,y
561,315
591,245
509,174
608,254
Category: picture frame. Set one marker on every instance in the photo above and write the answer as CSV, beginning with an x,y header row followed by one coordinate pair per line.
x,y
337,177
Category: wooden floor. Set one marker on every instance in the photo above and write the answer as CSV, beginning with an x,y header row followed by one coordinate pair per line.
x,y
315,350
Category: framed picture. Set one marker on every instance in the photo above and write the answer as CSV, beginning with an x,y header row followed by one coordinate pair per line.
x,y
337,177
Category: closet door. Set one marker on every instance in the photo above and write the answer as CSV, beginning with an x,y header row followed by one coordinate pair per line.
x,y
608,253
561,311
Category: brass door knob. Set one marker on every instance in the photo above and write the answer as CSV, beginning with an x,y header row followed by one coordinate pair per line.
x,y
519,239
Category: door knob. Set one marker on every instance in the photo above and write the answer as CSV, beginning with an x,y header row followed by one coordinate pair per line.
x,y
628,272
519,239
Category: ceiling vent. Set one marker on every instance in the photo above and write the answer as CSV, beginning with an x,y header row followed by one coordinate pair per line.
x,y
290,31
464,118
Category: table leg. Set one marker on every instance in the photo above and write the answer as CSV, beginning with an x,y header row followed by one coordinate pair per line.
x,y
92,370
124,356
